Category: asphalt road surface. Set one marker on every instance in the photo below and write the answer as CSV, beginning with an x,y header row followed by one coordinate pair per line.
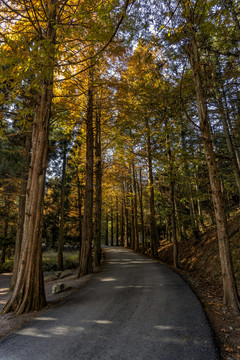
x,y
134,309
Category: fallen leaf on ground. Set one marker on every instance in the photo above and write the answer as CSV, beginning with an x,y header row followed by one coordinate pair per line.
x,y
228,348
224,330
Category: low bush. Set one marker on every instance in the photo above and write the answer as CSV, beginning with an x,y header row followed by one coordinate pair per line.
x,y
6,267
70,261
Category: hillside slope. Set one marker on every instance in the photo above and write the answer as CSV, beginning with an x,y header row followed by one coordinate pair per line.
x,y
200,266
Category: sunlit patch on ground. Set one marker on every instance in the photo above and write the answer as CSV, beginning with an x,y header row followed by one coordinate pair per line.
x,y
45,319
108,279
4,291
102,322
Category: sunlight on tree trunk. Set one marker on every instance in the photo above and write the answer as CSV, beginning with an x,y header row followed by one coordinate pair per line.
x,y
85,266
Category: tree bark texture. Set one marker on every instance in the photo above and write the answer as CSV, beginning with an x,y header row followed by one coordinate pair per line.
x,y
80,198
136,237
28,293
175,222
85,266
106,234
122,225
199,204
5,234
62,202
133,229
153,226
111,225
140,194
21,211
5,229
233,130
173,212
126,221
98,191
193,217
117,223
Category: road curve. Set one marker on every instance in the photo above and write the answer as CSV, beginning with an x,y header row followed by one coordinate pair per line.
x,y
134,309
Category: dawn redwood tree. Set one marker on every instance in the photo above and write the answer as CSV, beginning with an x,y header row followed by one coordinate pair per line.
x,y
38,23
106,233
230,294
21,210
28,293
126,217
98,186
85,266
140,194
122,225
117,222
142,82
18,103
173,204
80,201
62,202
135,204
153,226
194,32
226,128
111,218
133,220
5,227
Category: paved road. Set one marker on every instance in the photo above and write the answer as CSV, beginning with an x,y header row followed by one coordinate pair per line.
x,y
134,309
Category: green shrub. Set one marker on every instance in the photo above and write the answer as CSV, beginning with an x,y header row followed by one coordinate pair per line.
x,y
6,267
70,260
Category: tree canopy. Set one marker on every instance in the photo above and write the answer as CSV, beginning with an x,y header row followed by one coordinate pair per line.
x,y
119,124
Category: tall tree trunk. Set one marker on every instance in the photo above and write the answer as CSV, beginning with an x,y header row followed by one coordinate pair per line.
x,y
180,220
106,235
85,266
199,204
98,191
80,196
133,238
153,226
230,296
28,293
140,194
62,202
168,232
193,218
117,223
21,211
126,221
234,132
122,225
5,229
173,213
111,225
136,243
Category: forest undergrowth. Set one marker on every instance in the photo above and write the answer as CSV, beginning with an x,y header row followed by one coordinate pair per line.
x,y
199,265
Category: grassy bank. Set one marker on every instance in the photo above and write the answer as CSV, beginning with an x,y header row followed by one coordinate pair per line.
x,y
49,261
